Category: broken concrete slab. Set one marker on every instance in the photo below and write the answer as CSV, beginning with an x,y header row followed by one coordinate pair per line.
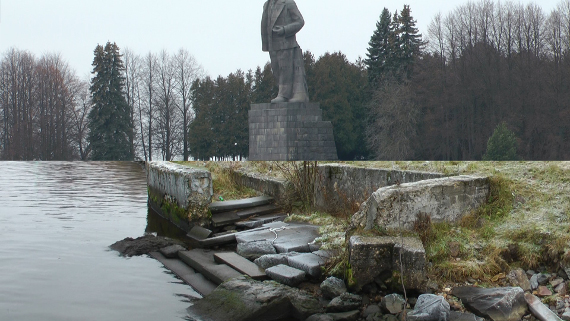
x,y
286,275
203,262
227,206
332,287
231,238
199,233
371,257
254,250
240,264
308,262
443,199
286,238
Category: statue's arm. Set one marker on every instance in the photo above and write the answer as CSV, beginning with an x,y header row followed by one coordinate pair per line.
x,y
297,21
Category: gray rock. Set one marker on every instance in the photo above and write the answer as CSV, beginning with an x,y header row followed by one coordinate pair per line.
x,y
430,307
286,275
534,282
242,299
498,304
556,282
254,250
142,245
344,303
374,317
343,316
566,316
539,310
333,287
308,262
393,303
389,317
460,316
518,277
543,278
171,251
370,310
269,260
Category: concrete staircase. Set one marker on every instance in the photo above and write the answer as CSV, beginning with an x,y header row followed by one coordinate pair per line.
x,y
205,269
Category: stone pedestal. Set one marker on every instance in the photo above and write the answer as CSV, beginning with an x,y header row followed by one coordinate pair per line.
x,y
290,132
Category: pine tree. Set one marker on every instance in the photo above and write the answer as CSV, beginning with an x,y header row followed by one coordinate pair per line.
x,y
408,42
110,122
380,48
502,146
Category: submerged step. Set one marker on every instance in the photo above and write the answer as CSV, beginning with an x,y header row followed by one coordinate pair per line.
x,y
227,206
186,273
241,264
203,262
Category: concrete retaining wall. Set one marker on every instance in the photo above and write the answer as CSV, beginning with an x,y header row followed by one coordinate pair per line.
x,y
444,199
266,185
180,193
341,186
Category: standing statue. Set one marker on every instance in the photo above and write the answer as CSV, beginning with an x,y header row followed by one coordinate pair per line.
x,y
280,23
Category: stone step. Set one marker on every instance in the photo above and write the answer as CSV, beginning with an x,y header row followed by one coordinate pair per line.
x,y
240,264
199,233
260,220
227,206
203,262
310,263
259,210
224,219
231,238
286,275
186,273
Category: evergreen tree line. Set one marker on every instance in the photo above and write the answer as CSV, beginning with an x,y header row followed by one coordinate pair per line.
x,y
43,108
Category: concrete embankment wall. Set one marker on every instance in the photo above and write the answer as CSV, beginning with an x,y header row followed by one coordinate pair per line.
x,y
266,185
180,193
443,199
342,187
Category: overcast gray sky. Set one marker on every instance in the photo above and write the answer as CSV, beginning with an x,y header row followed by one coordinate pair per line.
x,y
223,35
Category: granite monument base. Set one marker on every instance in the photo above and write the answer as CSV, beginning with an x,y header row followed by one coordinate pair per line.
x,y
290,132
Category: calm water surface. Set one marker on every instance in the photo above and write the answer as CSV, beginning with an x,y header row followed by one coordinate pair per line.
x,y
56,223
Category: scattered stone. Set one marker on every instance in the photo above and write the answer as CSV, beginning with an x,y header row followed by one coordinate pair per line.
x,y
543,278
333,287
540,310
543,291
254,250
562,289
171,251
530,273
393,303
518,277
389,317
567,270
370,310
534,282
344,316
562,274
430,307
142,245
269,260
242,299
498,304
344,303
566,315
286,275
556,282
199,233
462,316
454,248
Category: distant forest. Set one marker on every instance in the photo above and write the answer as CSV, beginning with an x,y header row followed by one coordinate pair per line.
x,y
436,95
